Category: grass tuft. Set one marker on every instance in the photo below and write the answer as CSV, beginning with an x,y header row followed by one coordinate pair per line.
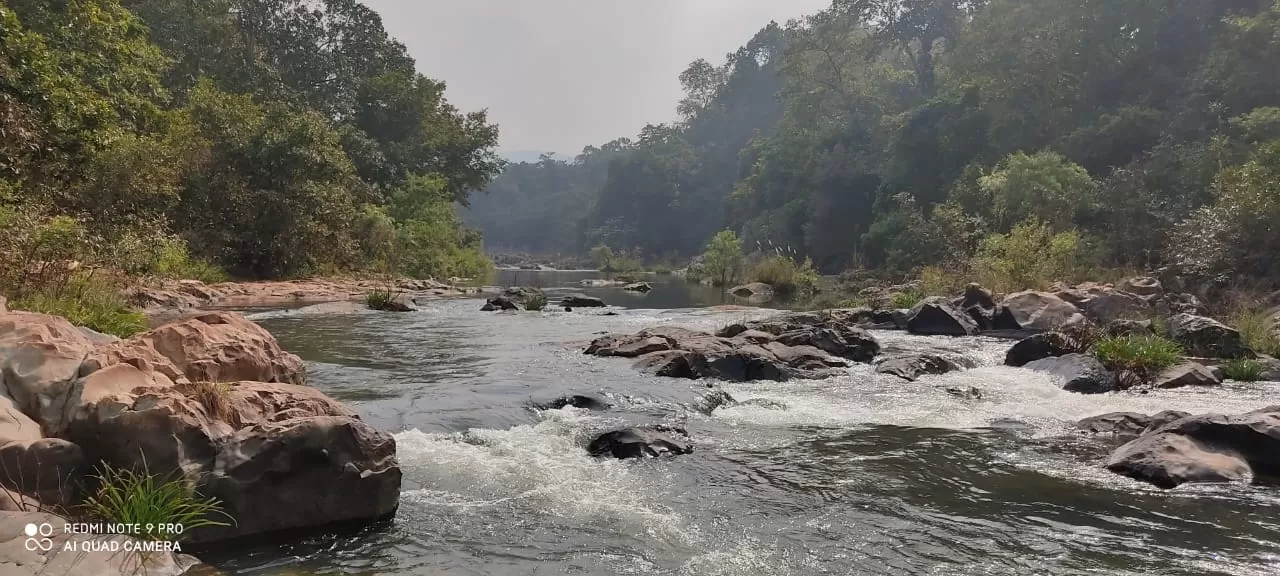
x,y
1255,330
1244,370
535,302
1137,358
215,397
907,299
95,304
785,275
379,299
126,496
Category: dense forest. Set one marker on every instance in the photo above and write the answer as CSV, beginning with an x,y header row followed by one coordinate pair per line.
x,y
1026,138
256,138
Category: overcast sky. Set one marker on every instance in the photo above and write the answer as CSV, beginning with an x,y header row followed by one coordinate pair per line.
x,y
557,75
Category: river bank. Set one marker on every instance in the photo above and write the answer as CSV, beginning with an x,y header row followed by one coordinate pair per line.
x,y
185,295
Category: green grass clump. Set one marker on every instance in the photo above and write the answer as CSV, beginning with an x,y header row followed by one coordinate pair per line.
x,y
1255,330
126,496
97,305
1137,358
785,275
907,299
535,302
379,299
1244,370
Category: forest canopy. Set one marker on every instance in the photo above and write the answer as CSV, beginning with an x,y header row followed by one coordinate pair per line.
x,y
901,134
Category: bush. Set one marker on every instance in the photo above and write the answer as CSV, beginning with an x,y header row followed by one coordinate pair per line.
x,y
379,299
722,260
1255,329
936,281
128,497
907,299
1244,370
1137,359
1030,256
95,303
785,276
535,302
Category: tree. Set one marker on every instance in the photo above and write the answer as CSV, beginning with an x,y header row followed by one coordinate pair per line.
x,y
1043,185
723,258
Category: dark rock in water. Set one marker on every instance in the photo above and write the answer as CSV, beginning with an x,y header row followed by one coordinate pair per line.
x,y
1206,448
848,342
576,401
1080,373
972,393
568,309
1127,424
638,287
581,301
1205,337
1187,374
499,303
1040,311
1038,347
714,400
641,442
935,316
912,366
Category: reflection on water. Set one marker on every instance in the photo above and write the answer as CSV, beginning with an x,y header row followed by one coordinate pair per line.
x,y
862,474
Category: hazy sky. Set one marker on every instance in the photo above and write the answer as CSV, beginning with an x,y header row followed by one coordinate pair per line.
x,y
558,75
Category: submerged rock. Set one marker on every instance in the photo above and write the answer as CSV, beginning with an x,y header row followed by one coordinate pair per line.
x,y
1205,337
754,290
581,301
935,316
1127,424
577,401
641,442
498,303
1207,448
912,366
1078,372
638,287
971,393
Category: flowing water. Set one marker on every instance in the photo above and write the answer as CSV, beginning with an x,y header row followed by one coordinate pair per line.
x,y
862,474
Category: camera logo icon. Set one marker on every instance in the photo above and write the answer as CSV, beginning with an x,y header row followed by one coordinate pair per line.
x,y
38,537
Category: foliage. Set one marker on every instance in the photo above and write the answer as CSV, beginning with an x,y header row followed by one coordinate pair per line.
x,y
87,301
1244,370
535,302
723,258
1137,359
1254,324
1044,186
379,299
905,300
125,496
785,275
1031,255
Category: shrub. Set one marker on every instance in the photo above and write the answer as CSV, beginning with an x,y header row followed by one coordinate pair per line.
x,y
1244,370
936,281
722,260
535,302
379,299
1029,256
785,276
907,299
1137,359
1255,329
128,497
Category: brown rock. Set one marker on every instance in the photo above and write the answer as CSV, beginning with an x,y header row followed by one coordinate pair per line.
x,y
1041,311
1187,374
1207,448
40,358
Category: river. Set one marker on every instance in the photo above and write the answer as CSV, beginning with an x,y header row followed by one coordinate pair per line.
x,y
861,474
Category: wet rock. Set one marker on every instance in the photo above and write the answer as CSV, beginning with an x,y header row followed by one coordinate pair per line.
x,y
581,301
971,393
935,316
912,366
754,290
641,287
577,401
1040,311
66,553
1078,373
499,303
1039,347
641,442
1142,286
713,400
1187,374
1206,448
1127,424
1205,337
845,341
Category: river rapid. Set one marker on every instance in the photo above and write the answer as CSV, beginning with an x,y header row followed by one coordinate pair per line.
x,y
861,474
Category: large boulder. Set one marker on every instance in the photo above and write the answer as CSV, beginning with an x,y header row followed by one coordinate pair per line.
x,y
581,301
74,554
41,357
44,468
937,317
279,457
1127,425
1104,304
1040,311
641,442
212,347
1205,337
979,303
848,342
910,367
1207,448
1039,347
754,290
1187,374
1078,373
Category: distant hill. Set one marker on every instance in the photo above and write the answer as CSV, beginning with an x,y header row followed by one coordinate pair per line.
x,y
531,156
